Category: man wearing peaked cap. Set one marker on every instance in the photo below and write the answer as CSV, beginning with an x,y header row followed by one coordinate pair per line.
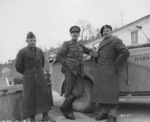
x,y
75,29
112,54
70,56
30,63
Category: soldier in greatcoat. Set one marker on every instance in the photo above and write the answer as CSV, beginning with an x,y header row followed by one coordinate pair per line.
x,y
30,63
112,54
70,56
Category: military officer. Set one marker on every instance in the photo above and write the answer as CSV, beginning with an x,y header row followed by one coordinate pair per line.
x,y
112,54
30,63
70,56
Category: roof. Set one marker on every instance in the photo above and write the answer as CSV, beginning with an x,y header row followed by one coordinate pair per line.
x,y
145,17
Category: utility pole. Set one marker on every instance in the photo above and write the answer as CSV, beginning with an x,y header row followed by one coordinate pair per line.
x,y
122,13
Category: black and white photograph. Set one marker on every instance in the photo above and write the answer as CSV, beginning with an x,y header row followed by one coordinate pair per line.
x,y
74,60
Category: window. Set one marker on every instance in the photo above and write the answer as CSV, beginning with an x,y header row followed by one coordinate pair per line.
x,y
134,37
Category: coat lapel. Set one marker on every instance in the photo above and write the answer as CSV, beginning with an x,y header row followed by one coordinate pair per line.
x,y
30,53
105,41
38,55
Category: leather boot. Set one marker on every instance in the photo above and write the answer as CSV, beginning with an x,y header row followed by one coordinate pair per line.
x,y
66,107
46,118
102,116
71,114
112,119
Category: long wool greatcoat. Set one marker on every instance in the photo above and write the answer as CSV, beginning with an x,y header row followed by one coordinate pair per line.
x,y
112,53
70,56
35,93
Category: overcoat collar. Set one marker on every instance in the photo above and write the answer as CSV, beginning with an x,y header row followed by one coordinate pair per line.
x,y
105,41
73,42
38,54
33,55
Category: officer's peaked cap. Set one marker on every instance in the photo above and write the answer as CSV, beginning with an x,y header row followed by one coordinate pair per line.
x,y
75,29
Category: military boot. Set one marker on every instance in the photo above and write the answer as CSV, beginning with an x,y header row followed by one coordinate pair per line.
x,y
66,107
102,116
71,114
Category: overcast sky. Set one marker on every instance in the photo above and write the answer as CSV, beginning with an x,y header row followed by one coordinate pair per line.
x,y
50,20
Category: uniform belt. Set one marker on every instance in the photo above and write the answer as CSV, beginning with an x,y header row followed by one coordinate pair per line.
x,y
74,60
108,63
33,67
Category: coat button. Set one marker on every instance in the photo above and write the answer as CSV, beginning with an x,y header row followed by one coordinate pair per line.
x,y
34,68
34,74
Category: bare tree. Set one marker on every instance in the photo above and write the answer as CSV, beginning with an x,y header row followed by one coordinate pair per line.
x,y
98,34
85,25
97,31
59,44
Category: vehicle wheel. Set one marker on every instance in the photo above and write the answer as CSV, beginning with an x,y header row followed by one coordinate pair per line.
x,y
84,104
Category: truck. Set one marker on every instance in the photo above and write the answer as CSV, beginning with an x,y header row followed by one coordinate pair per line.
x,y
134,78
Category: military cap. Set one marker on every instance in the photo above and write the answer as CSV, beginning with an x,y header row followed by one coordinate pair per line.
x,y
75,29
104,27
30,35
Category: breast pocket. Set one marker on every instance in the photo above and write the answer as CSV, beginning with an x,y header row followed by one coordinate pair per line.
x,y
74,52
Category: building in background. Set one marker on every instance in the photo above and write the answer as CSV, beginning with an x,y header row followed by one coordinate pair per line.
x,y
137,32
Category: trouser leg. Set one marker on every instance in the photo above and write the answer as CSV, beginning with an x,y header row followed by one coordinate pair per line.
x,y
69,83
66,107
69,100
79,86
74,84
113,113
105,112
105,108
113,110
72,91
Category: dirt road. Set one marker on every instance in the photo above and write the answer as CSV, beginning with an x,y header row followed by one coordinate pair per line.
x,y
128,112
